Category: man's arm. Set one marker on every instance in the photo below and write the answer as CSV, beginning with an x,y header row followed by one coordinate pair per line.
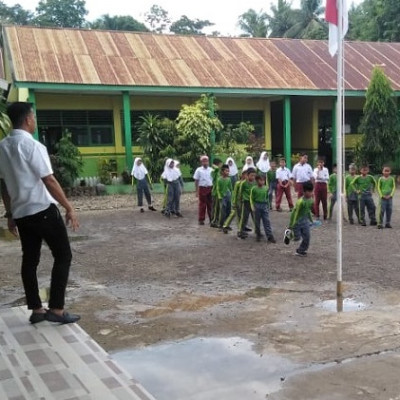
x,y
12,227
58,194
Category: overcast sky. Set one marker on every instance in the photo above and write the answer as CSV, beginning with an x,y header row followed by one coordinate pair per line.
x,y
223,13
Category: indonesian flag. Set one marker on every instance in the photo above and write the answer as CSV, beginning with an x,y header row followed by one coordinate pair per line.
x,y
332,17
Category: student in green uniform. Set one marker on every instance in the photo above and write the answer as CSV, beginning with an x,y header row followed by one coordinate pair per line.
x,y
365,185
351,195
272,182
332,189
301,217
224,193
215,202
386,189
259,201
244,194
236,202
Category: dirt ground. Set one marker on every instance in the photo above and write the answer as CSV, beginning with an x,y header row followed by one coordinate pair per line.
x,y
141,279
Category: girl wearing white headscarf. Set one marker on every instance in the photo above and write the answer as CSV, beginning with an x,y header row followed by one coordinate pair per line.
x,y
141,178
248,164
172,177
263,163
233,170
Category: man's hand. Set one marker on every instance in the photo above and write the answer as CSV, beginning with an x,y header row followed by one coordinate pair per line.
x,y
71,219
12,227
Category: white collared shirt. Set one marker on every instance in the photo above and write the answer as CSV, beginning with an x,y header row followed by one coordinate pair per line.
x,y
302,173
283,174
321,175
203,176
23,163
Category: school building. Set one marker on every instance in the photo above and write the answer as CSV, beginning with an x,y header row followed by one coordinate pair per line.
x,y
97,83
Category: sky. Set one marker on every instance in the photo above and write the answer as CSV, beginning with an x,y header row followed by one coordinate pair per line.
x,y
223,13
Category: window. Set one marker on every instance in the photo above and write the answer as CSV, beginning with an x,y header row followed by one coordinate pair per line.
x,y
256,118
352,121
88,127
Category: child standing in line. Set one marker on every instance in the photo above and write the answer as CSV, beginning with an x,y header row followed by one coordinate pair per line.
x,y
259,200
203,183
244,194
235,204
272,182
173,178
386,189
141,178
224,193
364,185
233,170
321,176
215,202
351,195
263,165
284,177
301,218
332,189
249,163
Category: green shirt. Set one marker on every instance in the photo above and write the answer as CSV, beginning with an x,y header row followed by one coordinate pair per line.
x,y
302,209
386,187
215,176
259,194
245,189
349,189
364,184
235,195
332,183
224,185
271,176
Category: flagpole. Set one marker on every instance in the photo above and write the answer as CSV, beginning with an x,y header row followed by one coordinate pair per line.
x,y
339,153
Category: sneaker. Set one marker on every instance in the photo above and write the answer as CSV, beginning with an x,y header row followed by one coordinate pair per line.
x,y
247,229
141,210
66,318
271,239
179,215
225,230
363,223
201,222
214,225
301,253
37,317
286,236
151,208
388,226
373,223
380,226
167,214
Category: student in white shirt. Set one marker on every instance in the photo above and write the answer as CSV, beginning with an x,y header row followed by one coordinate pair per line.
x,y
302,172
203,182
284,176
321,176
30,193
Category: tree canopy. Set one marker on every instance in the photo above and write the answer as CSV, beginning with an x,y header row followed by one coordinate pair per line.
x,y
119,23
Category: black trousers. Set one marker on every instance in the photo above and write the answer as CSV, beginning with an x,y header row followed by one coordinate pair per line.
x,y
48,226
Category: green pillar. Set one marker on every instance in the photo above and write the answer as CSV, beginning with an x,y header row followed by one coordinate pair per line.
x,y
334,131
212,136
127,129
32,99
287,127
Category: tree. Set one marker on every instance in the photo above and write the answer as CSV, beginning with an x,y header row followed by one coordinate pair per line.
x,y
380,125
254,24
64,14
118,23
391,20
158,19
15,15
282,18
186,26
194,127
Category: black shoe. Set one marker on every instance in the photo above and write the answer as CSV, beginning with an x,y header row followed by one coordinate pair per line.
x,y
66,318
179,215
287,236
225,230
37,317
279,209
258,238
388,226
151,208
247,229
271,239
201,222
167,214
363,224
214,225
141,210
380,226
373,223
301,253
351,222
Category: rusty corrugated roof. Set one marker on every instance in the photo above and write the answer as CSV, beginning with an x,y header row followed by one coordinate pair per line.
x,y
51,55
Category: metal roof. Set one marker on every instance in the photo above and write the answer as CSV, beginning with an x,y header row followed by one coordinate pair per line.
x,y
92,57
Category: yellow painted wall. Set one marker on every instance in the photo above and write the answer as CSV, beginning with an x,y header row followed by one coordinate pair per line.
x,y
302,122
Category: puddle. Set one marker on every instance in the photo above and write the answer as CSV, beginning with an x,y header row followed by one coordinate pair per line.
x,y
348,305
206,369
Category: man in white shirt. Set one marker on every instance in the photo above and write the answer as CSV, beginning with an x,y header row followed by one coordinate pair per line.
x,y
321,176
284,176
30,192
203,182
302,172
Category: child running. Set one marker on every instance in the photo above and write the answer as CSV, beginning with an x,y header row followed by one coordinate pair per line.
x,y
224,193
141,178
259,200
244,195
173,179
351,195
332,189
364,185
386,189
301,218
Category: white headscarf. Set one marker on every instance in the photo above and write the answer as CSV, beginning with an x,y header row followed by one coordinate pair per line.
x,y
233,169
248,165
263,164
139,171
170,174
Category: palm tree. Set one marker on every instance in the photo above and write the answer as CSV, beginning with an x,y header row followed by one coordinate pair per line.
x,y
282,18
254,24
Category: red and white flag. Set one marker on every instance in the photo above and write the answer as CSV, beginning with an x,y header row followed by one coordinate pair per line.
x,y
332,17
